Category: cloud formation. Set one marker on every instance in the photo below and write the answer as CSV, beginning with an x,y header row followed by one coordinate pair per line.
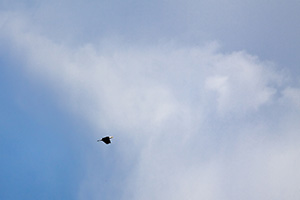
x,y
206,124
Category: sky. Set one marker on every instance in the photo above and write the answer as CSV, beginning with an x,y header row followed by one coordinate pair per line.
x,y
202,98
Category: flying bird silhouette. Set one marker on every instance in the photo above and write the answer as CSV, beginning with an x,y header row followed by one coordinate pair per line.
x,y
106,139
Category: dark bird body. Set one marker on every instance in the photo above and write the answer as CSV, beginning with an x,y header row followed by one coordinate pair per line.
x,y
106,139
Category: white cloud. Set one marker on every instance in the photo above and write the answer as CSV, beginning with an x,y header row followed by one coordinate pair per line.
x,y
292,95
188,109
242,82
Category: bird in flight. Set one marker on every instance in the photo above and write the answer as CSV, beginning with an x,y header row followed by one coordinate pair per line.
x,y
106,139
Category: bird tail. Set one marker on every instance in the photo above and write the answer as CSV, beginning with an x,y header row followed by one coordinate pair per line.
x,y
98,140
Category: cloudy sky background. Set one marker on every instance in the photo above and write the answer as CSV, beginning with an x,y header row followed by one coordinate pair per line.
x,y
202,98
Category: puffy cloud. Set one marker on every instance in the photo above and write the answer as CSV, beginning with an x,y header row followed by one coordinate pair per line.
x,y
292,95
242,82
195,115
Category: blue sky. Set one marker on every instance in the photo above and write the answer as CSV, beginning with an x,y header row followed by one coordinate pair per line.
x,y
202,98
